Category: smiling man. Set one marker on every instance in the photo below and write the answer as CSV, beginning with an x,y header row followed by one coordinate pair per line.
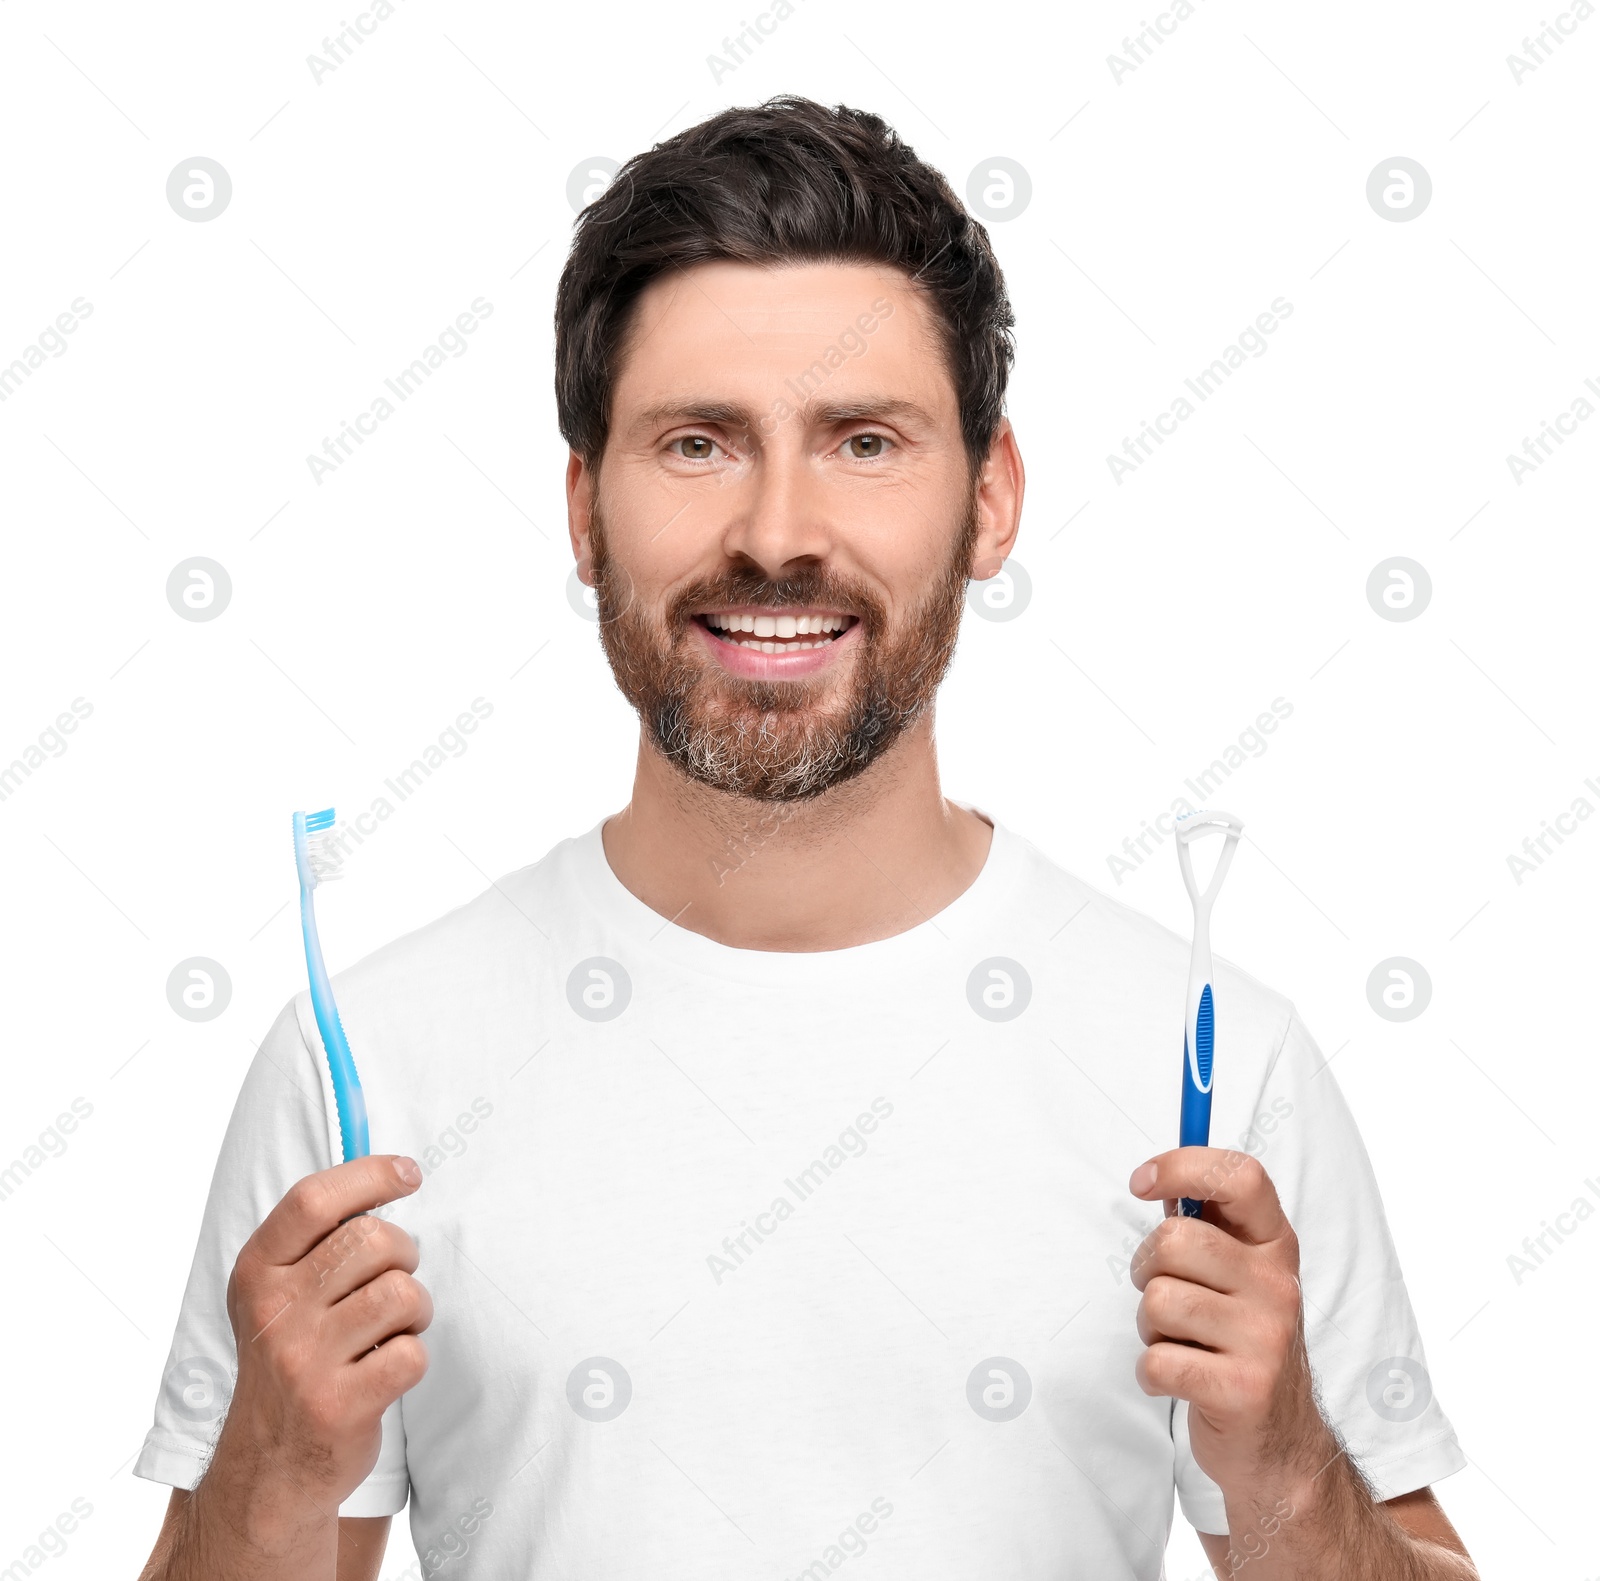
x,y
806,1205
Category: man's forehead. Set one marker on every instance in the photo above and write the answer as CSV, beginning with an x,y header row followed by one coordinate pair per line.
x,y
788,301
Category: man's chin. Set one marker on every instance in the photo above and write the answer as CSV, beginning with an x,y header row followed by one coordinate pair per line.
x,y
754,698
768,755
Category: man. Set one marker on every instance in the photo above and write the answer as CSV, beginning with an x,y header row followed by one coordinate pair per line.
x,y
803,1191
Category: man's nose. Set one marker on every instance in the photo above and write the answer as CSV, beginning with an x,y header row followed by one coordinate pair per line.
x,y
781,514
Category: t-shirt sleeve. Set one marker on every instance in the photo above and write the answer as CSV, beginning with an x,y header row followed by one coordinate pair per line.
x,y
278,1133
1366,1352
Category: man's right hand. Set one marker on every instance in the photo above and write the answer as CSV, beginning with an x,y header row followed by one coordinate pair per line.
x,y
325,1316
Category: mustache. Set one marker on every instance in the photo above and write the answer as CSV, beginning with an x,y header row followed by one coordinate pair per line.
x,y
811,585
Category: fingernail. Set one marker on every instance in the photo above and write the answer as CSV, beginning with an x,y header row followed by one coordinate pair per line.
x,y
1142,1179
406,1169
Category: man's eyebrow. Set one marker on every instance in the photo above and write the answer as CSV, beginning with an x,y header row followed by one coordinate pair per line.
x,y
731,414
692,410
849,411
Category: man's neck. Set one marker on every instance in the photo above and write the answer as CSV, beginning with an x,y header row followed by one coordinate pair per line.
x,y
870,858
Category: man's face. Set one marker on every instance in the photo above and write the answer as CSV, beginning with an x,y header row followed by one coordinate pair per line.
x,y
782,528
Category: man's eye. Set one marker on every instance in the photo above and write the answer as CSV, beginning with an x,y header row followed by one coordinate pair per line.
x,y
867,447
695,447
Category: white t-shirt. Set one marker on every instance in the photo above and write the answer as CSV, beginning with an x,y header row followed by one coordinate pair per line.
x,y
751,1263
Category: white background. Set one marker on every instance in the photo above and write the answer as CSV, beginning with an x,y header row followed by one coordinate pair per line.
x,y
1167,610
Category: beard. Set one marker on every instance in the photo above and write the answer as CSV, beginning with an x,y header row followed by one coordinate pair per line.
x,y
779,741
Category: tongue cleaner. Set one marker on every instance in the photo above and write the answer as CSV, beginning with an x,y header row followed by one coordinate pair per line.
x,y
1200,1013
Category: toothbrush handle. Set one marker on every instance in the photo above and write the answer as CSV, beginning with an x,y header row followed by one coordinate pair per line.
x,y
349,1100
1194,1121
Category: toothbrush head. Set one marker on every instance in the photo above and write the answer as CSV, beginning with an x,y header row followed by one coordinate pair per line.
x,y
314,858
1190,826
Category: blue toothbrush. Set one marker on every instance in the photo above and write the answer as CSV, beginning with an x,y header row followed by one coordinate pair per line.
x,y
315,863
1200,1012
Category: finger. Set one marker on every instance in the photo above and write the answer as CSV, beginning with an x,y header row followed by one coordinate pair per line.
x,y
1174,1309
318,1204
384,1374
356,1253
1227,1389
1235,1183
1192,1249
393,1303
1182,1372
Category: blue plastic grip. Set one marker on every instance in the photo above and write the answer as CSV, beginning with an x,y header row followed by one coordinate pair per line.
x,y
1194,1120
348,1098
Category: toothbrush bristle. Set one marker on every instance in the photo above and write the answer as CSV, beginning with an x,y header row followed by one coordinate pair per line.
x,y
325,862
319,820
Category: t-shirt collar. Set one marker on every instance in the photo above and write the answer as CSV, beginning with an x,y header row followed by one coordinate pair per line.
x,y
967,917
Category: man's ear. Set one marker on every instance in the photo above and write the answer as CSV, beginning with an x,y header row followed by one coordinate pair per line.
x,y
580,508
998,501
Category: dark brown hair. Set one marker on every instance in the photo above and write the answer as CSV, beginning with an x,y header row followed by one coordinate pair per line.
x,y
784,181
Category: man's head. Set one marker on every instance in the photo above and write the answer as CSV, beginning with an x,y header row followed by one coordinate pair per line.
x,y
781,355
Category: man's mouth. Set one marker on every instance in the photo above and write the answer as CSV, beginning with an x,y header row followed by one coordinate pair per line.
x,y
776,631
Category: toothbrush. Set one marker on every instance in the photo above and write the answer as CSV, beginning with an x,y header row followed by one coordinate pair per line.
x,y
315,864
1200,1011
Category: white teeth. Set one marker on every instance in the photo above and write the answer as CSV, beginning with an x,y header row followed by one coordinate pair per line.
x,y
770,646
787,627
